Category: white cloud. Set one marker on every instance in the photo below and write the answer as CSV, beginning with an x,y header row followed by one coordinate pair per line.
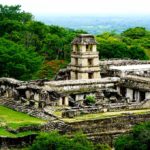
x,y
80,7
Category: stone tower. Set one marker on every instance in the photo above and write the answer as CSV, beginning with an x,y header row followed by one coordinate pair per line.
x,y
84,58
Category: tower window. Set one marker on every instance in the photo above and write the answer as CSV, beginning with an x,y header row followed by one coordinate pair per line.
x,y
90,75
88,47
63,100
142,96
90,62
123,91
76,61
76,75
77,48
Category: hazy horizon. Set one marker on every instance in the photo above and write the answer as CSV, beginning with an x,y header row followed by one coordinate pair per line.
x,y
82,8
93,16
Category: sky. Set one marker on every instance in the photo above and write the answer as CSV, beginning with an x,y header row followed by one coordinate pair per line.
x,y
82,7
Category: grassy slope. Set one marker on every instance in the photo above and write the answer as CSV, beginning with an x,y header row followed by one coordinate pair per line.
x,y
105,115
13,119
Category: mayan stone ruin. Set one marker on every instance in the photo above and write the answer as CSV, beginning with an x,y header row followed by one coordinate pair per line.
x,y
115,85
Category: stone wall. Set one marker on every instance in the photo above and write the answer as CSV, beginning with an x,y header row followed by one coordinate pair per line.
x,y
105,64
29,93
105,130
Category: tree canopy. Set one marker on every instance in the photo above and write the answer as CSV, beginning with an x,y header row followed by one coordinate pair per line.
x,y
53,43
139,139
18,62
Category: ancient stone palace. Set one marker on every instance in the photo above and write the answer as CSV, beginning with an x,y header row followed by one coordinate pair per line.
x,y
115,84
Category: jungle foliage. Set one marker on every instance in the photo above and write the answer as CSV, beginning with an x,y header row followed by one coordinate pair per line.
x,y
138,139
29,49
55,141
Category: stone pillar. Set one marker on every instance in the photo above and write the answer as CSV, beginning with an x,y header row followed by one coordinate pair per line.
x,y
60,101
96,61
7,93
73,61
27,93
137,96
94,49
118,89
36,97
147,95
83,62
74,48
83,48
73,76
66,101
36,105
129,94
96,75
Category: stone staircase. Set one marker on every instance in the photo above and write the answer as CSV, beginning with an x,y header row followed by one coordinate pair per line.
x,y
18,106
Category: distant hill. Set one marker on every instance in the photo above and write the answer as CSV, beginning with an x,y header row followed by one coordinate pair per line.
x,y
98,24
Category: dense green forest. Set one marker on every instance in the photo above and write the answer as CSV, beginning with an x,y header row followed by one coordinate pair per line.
x,y
30,49
55,141
138,139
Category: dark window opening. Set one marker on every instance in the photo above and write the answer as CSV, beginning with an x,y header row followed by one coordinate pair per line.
x,y
76,61
90,62
63,100
32,103
90,75
142,96
123,91
88,47
77,48
76,75
22,93
133,94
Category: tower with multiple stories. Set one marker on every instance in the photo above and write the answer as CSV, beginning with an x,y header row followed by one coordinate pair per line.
x,y
84,58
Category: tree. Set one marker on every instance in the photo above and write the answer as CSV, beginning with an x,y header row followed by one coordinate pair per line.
x,y
55,141
18,62
111,48
14,13
135,33
139,139
13,19
115,46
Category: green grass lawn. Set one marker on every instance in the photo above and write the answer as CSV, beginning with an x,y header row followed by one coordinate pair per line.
x,y
13,119
105,115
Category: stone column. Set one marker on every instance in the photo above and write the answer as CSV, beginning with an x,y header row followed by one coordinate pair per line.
x,y
36,97
118,89
94,48
96,75
66,101
60,101
73,76
36,105
147,95
137,96
129,94
27,93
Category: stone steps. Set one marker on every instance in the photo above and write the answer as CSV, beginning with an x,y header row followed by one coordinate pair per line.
x,y
18,106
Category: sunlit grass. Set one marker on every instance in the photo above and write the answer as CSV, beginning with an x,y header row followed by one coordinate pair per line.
x,y
17,119
5,133
105,115
13,120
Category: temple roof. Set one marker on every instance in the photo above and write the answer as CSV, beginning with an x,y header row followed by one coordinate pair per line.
x,y
84,39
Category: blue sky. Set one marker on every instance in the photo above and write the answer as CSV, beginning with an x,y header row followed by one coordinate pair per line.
x,y
82,7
